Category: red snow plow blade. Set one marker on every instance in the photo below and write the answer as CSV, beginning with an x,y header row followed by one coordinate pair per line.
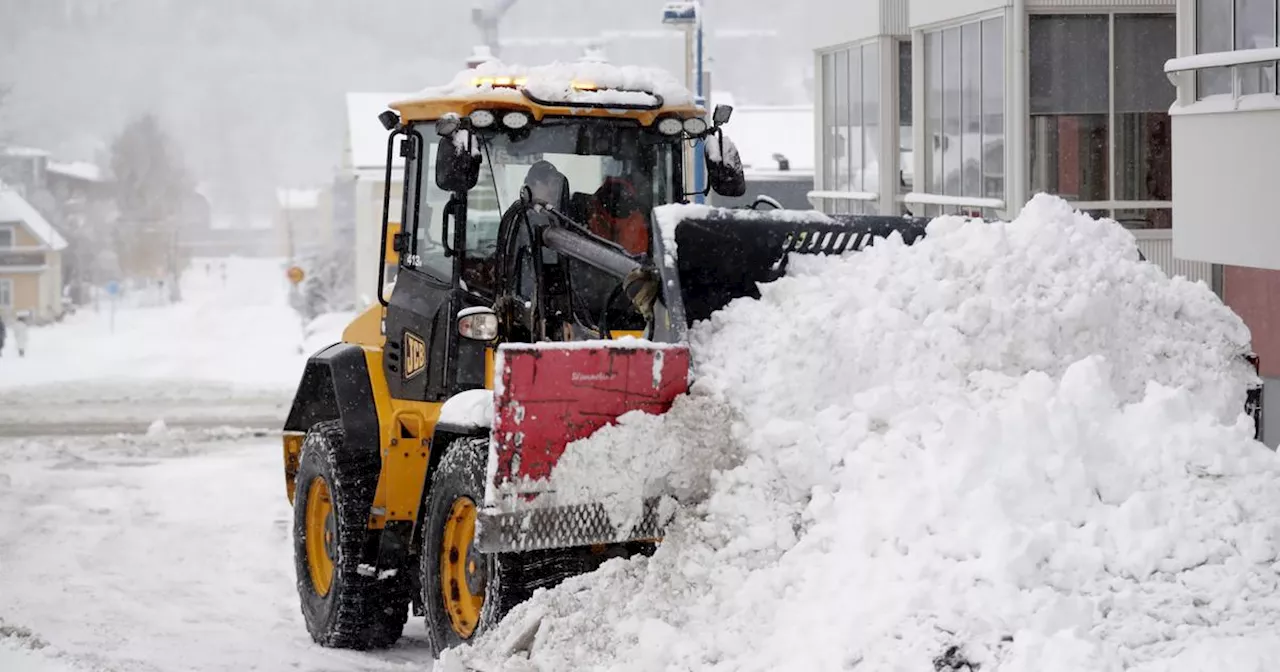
x,y
547,396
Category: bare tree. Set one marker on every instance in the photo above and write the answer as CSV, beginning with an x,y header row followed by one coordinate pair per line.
x,y
152,193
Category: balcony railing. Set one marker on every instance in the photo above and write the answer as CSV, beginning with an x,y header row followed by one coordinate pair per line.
x,y
21,258
1181,71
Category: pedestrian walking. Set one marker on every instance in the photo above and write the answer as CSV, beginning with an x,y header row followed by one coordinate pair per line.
x,y
2,335
20,334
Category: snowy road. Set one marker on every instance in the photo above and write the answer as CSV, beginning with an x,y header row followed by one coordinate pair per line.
x,y
128,550
167,552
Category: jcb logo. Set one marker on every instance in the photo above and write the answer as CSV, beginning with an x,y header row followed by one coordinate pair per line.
x,y
415,355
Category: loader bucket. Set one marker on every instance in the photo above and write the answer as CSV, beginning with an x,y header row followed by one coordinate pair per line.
x,y
724,254
548,395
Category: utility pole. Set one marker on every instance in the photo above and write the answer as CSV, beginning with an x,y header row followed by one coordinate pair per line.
x,y
487,14
687,15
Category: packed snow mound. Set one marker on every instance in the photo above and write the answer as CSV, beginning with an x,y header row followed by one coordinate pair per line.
x,y
582,82
1011,446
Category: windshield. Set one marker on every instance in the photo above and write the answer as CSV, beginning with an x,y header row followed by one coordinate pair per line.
x,y
604,174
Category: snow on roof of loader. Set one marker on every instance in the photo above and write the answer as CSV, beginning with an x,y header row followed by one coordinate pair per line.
x,y
1014,440
587,82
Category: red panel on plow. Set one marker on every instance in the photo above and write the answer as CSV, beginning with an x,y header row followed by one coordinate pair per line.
x,y
549,395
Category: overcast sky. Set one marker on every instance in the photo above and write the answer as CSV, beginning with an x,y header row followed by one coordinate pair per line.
x,y
253,89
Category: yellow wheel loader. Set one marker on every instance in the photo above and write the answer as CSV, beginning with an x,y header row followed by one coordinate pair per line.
x,y
417,451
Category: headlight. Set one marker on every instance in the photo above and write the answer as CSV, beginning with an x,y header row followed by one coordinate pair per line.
x,y
515,120
670,126
482,118
695,126
477,324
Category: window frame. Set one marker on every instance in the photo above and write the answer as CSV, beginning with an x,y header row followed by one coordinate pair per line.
x,y
1111,204
849,197
12,230
6,293
930,200
1234,74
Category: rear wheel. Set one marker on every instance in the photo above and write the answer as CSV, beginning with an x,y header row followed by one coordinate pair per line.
x,y
335,487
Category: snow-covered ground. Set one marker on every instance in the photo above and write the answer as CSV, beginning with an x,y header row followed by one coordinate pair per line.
x,y
1010,446
231,349
126,550
156,553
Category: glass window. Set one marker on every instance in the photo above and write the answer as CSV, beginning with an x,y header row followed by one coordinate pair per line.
x,y
993,108
1149,218
603,174
1213,33
951,89
829,153
6,292
933,110
852,122
853,131
1143,169
1255,28
1069,63
1069,107
6,236
905,137
971,109
842,120
964,102
870,119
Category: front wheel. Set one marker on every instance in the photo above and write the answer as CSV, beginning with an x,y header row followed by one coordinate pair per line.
x,y
464,591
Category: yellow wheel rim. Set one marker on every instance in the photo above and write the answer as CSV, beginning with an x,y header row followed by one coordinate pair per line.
x,y
322,536
462,576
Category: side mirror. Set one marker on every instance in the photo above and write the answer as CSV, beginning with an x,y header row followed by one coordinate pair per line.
x,y
724,166
478,324
721,114
457,162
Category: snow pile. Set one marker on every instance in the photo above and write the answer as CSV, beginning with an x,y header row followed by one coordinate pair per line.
x,y
1012,446
584,82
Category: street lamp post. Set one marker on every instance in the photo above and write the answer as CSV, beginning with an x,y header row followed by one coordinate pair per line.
x,y
688,15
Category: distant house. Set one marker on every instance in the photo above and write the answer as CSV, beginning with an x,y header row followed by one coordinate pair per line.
x,y
303,221
30,260
358,194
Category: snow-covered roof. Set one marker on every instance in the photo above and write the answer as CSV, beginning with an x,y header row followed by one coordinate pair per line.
x,y
15,208
366,137
23,151
298,199
584,82
80,170
762,131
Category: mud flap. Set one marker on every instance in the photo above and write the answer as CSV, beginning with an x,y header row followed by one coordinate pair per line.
x,y
548,395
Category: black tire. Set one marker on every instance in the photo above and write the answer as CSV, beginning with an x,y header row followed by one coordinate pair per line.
x,y
460,475
356,612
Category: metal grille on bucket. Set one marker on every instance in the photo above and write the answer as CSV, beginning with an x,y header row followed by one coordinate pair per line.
x,y
562,527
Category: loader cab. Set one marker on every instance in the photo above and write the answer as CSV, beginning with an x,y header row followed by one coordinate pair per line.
x,y
465,166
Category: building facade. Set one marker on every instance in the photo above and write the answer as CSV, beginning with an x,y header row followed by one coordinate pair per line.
x,y
30,261
972,106
1226,128
937,107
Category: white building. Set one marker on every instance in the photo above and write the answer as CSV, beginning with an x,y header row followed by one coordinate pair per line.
x,y
1226,135
943,106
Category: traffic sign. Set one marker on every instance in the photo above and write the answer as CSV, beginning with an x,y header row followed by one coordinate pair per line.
x,y
296,275
113,288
